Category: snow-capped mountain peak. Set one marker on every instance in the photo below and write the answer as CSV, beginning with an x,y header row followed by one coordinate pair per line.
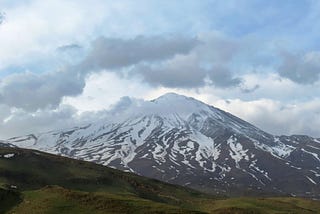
x,y
178,109
167,104
181,140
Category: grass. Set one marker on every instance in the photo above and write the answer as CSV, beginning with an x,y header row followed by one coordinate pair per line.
x,y
262,205
52,184
55,199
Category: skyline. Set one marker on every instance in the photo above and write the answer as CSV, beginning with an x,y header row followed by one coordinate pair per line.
x,y
64,63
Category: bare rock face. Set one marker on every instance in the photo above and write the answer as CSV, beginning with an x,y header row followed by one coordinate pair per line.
x,y
181,140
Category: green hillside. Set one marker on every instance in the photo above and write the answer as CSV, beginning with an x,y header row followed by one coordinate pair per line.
x,y
36,182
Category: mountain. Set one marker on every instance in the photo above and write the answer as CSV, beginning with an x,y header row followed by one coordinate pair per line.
x,y
35,182
183,141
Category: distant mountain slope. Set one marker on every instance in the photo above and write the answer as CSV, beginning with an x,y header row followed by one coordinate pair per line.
x,y
184,141
40,183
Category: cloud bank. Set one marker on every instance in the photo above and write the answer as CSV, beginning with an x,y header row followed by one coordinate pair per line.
x,y
54,68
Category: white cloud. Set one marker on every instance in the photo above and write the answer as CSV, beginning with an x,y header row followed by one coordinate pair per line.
x,y
21,122
104,89
276,117
33,30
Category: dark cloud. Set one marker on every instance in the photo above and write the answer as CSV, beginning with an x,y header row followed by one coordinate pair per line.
x,y
208,59
33,91
109,53
186,75
250,90
217,48
189,77
223,78
303,69
122,104
69,47
180,72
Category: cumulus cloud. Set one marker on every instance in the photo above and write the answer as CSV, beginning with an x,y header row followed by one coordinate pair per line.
x,y
221,59
32,91
303,69
110,53
207,63
168,61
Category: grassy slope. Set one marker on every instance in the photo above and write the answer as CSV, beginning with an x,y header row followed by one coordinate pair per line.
x,y
262,205
52,184
56,199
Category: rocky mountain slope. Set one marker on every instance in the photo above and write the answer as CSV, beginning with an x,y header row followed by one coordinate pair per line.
x,y
183,141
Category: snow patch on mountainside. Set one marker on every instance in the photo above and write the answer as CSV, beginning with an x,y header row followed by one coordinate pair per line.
x,y
10,155
311,153
237,152
279,150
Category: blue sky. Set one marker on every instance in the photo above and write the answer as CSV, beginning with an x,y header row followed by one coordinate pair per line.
x,y
63,60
